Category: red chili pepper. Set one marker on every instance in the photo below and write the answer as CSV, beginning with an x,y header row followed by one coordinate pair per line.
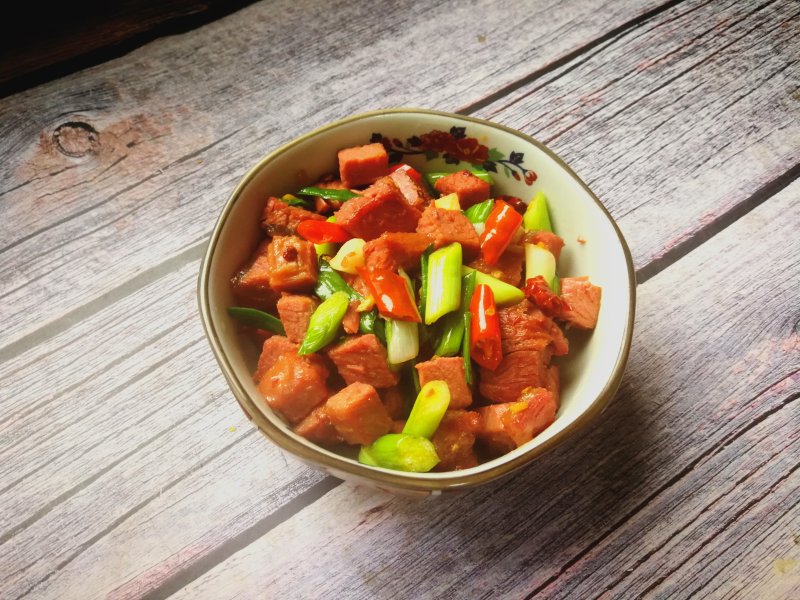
x,y
485,345
501,225
516,203
391,294
322,232
538,292
408,170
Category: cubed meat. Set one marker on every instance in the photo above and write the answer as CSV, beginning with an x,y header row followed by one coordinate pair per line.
x,y
414,193
547,239
358,414
444,226
470,189
524,327
272,348
583,299
362,165
451,371
553,383
518,370
295,385
295,312
395,250
318,428
278,218
363,358
508,268
380,209
251,284
507,426
352,318
455,440
394,402
292,264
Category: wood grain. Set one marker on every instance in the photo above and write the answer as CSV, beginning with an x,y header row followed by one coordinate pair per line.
x,y
144,436
163,134
678,123
109,463
688,474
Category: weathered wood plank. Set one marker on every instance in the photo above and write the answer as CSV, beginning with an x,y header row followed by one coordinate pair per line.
x,y
162,134
679,122
700,450
76,34
139,435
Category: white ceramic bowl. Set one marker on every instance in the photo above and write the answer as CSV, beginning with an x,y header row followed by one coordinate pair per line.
x,y
430,140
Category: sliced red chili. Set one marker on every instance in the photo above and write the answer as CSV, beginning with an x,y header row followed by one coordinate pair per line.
x,y
501,225
391,294
538,292
322,232
516,203
408,170
485,346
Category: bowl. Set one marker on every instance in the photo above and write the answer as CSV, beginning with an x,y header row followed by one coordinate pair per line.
x,y
430,140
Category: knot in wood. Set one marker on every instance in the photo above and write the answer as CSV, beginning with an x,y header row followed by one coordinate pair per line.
x,y
76,139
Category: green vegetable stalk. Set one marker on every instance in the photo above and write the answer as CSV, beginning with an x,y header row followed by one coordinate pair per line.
x,y
479,172
444,282
253,317
465,347
478,213
537,215
453,324
504,293
401,452
329,282
328,194
428,410
325,323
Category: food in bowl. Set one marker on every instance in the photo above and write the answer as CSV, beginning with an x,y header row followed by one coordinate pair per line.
x,y
411,315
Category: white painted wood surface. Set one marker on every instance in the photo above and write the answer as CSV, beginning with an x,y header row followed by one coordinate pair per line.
x,y
128,470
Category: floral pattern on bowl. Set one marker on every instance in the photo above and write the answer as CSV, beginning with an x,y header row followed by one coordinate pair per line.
x,y
454,147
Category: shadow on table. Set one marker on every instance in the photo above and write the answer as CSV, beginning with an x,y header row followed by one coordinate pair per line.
x,y
528,527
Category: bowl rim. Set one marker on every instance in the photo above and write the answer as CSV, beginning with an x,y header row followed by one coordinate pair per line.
x,y
414,482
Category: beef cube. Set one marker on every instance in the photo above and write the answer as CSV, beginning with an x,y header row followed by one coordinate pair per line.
x,y
454,440
470,189
362,165
318,428
278,218
524,327
362,358
451,371
380,209
295,385
394,402
508,268
395,250
398,425
414,193
583,299
444,226
272,348
553,383
292,264
547,239
251,284
518,370
358,414
509,425
295,312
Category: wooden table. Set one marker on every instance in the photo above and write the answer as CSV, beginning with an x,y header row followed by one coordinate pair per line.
x,y
127,469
